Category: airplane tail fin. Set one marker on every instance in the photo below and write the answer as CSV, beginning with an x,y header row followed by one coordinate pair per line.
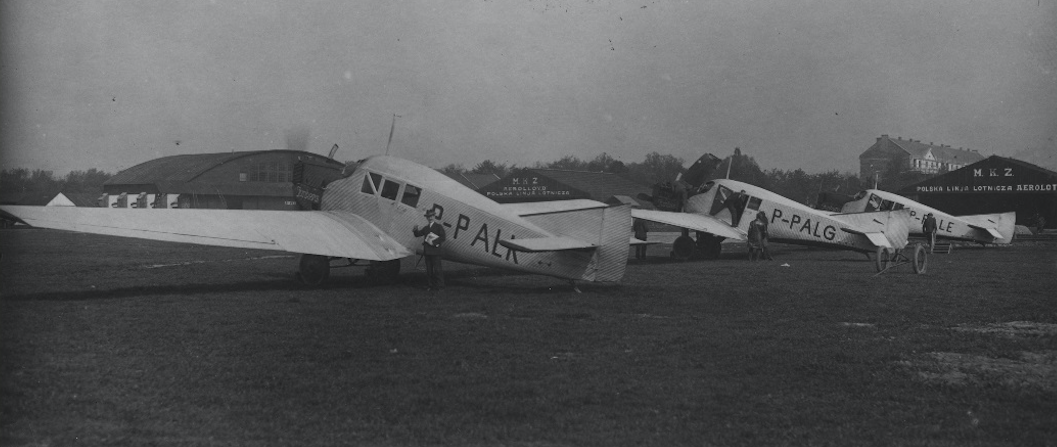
x,y
608,229
1000,226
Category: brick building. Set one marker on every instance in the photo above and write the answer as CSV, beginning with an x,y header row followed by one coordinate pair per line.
x,y
914,156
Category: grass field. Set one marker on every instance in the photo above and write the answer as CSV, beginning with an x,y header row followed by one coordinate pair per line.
x,y
109,341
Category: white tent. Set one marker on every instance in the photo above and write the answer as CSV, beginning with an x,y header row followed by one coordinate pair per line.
x,y
60,200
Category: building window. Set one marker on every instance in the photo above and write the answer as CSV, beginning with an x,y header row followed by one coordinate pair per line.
x,y
272,172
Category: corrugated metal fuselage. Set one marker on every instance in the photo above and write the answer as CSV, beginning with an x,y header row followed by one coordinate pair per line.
x,y
394,194
794,223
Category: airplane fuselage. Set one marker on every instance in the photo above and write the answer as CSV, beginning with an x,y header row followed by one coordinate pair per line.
x,y
947,226
792,222
394,194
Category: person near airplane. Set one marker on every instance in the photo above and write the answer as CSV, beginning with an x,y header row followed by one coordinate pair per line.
x,y
756,236
761,217
736,204
432,237
928,226
641,230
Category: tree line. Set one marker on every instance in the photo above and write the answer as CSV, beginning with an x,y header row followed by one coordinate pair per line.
x,y
40,182
794,184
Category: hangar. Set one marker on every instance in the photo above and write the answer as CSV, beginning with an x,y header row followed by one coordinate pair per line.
x,y
992,185
473,181
270,179
535,185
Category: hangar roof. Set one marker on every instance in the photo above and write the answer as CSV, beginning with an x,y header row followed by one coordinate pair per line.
x,y
474,181
600,185
533,184
185,168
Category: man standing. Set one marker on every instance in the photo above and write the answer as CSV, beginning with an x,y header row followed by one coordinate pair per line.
x,y
761,217
928,226
432,237
641,230
736,204
755,239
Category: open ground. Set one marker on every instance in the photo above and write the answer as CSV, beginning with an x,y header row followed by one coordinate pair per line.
x,y
110,341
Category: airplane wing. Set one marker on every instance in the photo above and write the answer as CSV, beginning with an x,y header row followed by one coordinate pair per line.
x,y
540,244
696,222
326,233
635,241
553,206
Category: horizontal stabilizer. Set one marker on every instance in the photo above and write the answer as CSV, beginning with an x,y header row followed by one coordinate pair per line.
x,y
541,244
877,238
696,222
989,230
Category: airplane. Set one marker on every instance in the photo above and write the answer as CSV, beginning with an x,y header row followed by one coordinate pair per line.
x,y
366,219
703,208
982,228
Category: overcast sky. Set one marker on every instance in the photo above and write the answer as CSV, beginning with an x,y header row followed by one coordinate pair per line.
x,y
795,84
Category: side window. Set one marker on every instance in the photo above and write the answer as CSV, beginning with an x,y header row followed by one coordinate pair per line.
x,y
411,195
754,203
371,182
874,203
390,189
886,205
898,206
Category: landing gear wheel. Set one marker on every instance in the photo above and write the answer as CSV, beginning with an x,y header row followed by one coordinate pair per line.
x,y
314,270
882,260
921,259
683,248
383,271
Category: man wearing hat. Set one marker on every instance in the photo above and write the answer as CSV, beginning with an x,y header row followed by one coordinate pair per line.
x,y
928,226
432,237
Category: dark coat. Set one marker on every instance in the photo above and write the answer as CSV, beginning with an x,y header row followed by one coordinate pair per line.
x,y
640,228
435,247
928,225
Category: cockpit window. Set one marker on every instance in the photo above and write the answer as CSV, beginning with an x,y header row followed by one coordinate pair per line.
x,y
859,195
371,182
886,205
390,189
411,195
874,204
